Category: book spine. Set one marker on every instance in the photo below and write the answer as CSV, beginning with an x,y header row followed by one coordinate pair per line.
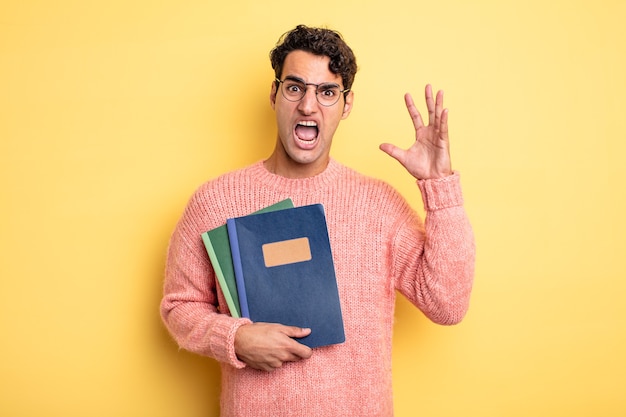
x,y
220,275
241,285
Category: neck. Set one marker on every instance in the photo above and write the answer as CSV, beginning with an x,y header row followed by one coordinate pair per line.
x,y
288,168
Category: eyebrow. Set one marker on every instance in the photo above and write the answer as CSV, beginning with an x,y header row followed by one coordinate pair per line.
x,y
294,78
300,80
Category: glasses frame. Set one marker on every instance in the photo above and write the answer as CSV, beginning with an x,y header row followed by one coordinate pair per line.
x,y
317,86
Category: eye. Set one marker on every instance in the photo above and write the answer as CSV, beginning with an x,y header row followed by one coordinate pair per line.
x,y
328,91
294,88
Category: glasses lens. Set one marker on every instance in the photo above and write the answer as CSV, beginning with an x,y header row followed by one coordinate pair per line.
x,y
328,94
293,90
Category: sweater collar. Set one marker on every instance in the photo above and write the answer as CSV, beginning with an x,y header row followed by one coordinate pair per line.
x,y
327,178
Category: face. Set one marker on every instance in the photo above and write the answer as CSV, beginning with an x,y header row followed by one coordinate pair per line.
x,y
305,127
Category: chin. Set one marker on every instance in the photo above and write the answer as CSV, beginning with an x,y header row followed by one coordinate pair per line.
x,y
307,157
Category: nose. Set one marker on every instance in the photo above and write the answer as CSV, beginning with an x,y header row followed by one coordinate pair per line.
x,y
309,102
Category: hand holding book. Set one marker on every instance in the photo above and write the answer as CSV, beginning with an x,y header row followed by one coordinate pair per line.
x,y
266,346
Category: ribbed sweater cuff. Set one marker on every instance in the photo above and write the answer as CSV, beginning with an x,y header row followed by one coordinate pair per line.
x,y
441,193
222,340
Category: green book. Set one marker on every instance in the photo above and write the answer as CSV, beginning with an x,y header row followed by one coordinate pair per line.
x,y
217,246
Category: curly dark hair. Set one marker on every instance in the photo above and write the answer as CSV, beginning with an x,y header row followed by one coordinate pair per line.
x,y
318,41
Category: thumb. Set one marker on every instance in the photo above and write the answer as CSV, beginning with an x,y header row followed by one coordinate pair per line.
x,y
393,151
298,332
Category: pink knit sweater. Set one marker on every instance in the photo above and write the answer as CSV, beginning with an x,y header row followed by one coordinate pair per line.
x,y
379,246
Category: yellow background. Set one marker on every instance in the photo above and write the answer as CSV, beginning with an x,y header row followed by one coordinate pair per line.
x,y
113,112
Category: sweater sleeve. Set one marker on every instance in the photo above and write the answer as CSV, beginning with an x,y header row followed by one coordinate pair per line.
x,y
190,307
434,262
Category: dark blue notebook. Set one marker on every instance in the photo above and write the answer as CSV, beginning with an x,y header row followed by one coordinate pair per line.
x,y
218,247
285,273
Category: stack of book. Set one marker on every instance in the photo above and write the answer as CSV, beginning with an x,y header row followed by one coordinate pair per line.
x,y
276,266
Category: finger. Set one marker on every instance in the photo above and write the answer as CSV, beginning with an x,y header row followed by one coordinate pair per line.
x,y
444,125
297,350
293,331
438,109
396,153
430,104
413,112
293,350
300,351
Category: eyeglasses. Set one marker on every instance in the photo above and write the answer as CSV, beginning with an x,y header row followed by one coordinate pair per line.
x,y
327,94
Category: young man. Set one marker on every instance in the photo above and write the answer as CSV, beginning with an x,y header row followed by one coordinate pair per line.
x,y
379,244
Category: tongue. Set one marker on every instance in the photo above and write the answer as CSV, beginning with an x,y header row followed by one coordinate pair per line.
x,y
306,132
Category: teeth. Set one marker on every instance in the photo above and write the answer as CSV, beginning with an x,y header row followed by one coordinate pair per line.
x,y
309,123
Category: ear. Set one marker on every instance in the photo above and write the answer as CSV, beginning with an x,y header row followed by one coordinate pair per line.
x,y
273,92
347,106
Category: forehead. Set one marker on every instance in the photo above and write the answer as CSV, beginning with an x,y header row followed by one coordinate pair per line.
x,y
309,67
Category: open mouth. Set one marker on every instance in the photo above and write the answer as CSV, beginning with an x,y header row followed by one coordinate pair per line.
x,y
306,130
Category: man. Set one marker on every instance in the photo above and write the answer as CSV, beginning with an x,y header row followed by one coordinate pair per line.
x,y
379,244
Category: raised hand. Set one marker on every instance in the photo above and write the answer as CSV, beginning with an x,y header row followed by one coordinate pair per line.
x,y
429,156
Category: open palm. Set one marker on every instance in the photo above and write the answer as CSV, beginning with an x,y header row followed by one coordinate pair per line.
x,y
429,156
